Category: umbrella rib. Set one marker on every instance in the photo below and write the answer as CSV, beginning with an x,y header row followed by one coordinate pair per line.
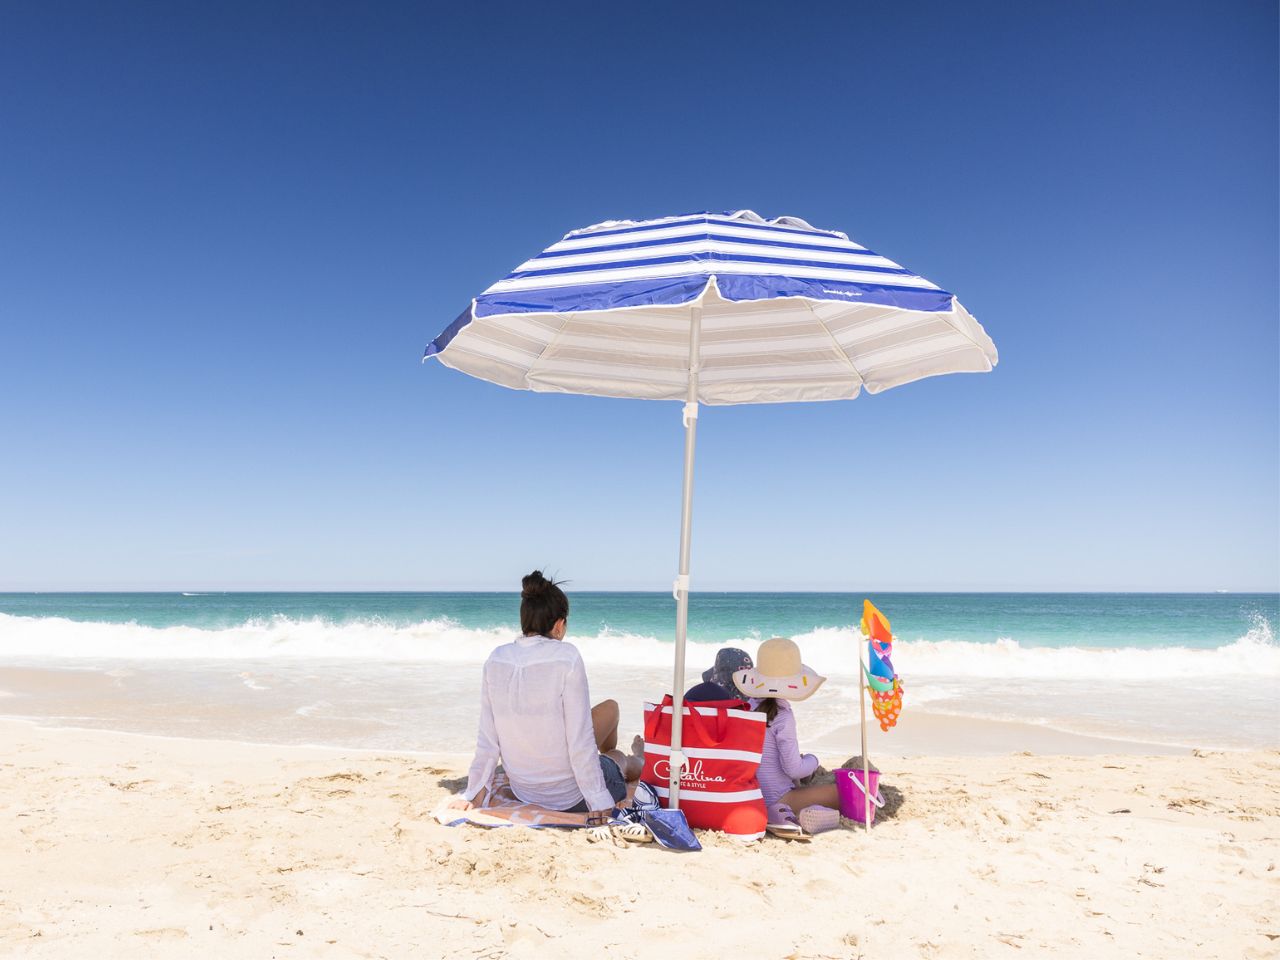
x,y
836,343
550,343
949,320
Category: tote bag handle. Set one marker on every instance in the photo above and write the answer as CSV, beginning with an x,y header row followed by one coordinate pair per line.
x,y
700,723
694,719
654,721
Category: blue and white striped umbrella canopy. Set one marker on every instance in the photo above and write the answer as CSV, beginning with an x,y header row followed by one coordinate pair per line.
x,y
789,313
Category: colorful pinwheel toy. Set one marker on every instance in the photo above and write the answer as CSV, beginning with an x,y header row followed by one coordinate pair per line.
x,y
885,684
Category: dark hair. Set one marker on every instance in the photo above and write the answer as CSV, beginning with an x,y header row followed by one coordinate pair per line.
x,y
769,707
542,603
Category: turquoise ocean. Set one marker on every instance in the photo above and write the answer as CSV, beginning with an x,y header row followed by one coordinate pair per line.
x,y
400,670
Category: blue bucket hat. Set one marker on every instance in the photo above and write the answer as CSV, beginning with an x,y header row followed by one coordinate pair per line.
x,y
729,660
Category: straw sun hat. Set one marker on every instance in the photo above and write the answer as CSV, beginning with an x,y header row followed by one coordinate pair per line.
x,y
778,673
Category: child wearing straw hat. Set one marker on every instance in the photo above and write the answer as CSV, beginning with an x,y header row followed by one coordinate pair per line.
x,y
777,680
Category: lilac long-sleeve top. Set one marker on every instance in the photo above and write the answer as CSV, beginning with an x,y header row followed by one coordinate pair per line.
x,y
781,762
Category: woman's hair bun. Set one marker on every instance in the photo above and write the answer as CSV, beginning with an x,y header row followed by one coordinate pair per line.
x,y
534,585
542,605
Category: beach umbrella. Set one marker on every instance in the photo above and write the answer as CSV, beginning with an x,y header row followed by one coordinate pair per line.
x,y
711,308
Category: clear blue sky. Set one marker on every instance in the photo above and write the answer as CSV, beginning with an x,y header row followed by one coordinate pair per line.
x,y
228,230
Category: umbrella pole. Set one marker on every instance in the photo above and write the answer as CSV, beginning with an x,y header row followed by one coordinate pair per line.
x,y
681,590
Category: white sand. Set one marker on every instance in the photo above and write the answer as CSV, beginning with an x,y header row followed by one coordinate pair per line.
x,y
126,846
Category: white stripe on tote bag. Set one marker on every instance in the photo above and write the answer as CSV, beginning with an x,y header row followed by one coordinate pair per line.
x,y
688,795
712,711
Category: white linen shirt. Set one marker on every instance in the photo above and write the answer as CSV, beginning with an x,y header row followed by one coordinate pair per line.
x,y
535,715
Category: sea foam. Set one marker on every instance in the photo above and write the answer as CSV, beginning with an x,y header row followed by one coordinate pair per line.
x,y
830,650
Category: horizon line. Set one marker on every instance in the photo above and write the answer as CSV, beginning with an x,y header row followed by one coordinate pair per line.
x,y
215,591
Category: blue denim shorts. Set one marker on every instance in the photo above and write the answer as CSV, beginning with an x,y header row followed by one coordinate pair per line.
x,y
614,782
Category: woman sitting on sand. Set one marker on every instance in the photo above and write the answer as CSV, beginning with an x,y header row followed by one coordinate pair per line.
x,y
535,716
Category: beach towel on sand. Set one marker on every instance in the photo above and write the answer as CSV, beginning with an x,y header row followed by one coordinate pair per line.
x,y
505,809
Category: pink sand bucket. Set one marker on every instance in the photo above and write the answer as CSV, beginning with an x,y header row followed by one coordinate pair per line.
x,y
849,789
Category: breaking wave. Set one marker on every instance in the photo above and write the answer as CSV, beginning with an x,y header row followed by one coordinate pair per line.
x,y
830,650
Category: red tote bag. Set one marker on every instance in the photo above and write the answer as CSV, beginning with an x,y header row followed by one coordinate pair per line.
x,y
722,745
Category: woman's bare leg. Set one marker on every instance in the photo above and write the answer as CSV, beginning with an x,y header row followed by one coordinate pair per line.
x,y
631,764
802,797
604,718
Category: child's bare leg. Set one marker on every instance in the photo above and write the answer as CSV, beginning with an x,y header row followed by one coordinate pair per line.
x,y
801,797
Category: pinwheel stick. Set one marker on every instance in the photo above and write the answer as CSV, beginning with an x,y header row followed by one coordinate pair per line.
x,y
866,764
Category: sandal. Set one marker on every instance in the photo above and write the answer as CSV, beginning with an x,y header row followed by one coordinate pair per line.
x,y
784,824
632,833
619,832
603,819
817,818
